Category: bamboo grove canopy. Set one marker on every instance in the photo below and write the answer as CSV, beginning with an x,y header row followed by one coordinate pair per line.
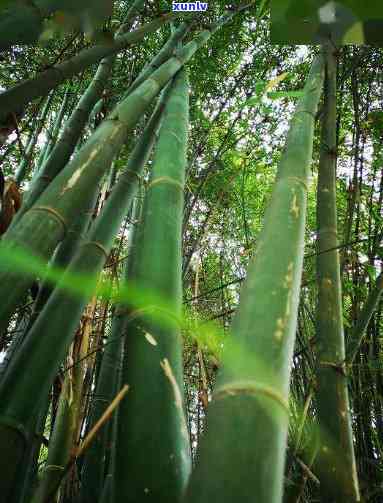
x,y
190,254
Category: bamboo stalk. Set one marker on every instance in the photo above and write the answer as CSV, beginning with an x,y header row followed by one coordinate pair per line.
x,y
27,160
249,411
152,364
358,331
335,462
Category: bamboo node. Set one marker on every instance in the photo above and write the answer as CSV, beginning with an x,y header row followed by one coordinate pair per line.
x,y
168,180
250,389
54,213
338,367
328,230
97,245
55,467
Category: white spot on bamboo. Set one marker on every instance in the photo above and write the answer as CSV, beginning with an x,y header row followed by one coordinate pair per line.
x,y
278,335
288,280
146,490
150,339
94,153
176,390
75,177
294,210
176,136
177,393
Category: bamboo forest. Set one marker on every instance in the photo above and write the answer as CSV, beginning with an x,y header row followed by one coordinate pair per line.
x,y
191,251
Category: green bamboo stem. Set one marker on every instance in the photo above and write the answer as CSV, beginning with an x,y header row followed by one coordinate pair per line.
x,y
52,137
46,223
66,426
160,58
25,92
63,255
22,170
121,319
365,316
152,429
27,479
336,466
60,444
249,411
53,330
95,459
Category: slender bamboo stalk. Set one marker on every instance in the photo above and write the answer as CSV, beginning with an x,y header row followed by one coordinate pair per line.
x,y
52,136
95,462
152,356
26,162
336,466
160,58
60,444
64,436
29,470
249,411
358,331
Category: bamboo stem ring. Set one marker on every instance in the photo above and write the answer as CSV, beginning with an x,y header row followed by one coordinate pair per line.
x,y
250,389
55,467
53,212
97,245
168,180
338,367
